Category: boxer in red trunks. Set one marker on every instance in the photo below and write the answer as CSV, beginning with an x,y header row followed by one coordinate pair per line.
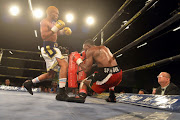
x,y
108,73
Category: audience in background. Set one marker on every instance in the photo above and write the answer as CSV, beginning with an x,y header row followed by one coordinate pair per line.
x,y
164,79
166,87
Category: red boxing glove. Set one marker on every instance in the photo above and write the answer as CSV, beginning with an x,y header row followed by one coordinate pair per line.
x,y
77,58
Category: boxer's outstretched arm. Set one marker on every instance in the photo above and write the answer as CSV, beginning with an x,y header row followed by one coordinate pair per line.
x,y
86,67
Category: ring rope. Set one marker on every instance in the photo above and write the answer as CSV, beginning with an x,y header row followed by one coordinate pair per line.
x,y
134,18
115,16
147,66
22,51
24,59
154,64
23,68
11,76
144,37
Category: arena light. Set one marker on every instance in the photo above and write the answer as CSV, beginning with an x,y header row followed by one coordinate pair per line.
x,y
14,10
90,20
119,55
37,13
142,45
11,52
124,22
69,17
39,47
176,28
35,33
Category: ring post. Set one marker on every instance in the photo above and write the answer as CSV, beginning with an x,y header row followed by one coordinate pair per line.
x,y
1,54
102,36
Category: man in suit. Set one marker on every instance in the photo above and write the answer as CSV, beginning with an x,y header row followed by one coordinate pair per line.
x,y
166,87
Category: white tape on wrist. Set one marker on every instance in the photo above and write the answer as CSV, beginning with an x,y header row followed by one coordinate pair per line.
x,y
79,61
54,29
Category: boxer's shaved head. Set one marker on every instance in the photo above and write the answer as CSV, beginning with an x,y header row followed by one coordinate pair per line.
x,y
52,13
87,44
51,9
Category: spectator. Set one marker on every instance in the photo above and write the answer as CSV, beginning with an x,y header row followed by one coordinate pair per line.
x,y
42,88
122,92
142,91
154,91
54,87
166,87
7,82
47,90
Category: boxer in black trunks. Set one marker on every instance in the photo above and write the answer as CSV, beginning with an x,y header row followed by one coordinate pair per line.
x,y
108,73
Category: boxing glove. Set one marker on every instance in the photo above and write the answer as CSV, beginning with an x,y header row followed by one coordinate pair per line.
x,y
58,25
77,58
67,31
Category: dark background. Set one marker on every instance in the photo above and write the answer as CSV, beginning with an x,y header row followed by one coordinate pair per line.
x,y
17,32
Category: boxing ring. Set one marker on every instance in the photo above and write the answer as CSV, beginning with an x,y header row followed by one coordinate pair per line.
x,y
43,106
19,105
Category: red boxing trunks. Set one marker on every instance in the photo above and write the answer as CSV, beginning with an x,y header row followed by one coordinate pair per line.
x,y
105,78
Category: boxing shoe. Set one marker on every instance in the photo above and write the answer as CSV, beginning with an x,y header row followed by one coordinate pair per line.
x,y
61,95
111,98
28,85
80,98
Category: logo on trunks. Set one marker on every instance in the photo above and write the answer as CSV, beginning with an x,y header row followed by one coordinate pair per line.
x,y
111,70
55,44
